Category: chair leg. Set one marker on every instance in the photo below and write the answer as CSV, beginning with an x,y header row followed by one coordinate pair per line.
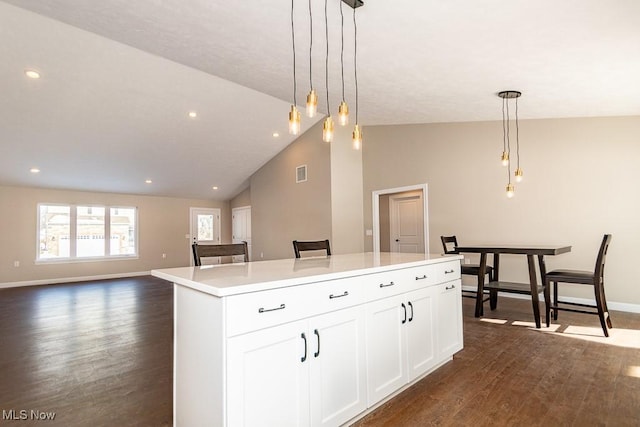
x,y
547,302
555,299
600,307
604,304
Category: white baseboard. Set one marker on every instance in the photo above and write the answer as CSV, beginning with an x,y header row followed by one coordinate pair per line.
x,y
72,279
618,306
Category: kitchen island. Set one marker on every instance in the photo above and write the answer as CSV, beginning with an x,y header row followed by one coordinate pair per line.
x,y
317,341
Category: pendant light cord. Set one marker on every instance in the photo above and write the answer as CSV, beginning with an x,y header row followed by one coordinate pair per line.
x,y
504,132
517,137
293,43
355,58
342,47
310,45
508,142
326,62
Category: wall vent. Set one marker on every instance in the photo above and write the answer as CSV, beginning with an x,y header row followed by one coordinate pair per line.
x,y
301,174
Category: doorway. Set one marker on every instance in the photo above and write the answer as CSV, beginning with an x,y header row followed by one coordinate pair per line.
x,y
400,219
204,230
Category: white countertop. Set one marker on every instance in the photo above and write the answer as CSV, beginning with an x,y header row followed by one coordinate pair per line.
x,y
232,279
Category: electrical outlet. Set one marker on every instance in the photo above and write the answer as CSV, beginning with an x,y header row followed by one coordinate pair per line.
x,y
16,263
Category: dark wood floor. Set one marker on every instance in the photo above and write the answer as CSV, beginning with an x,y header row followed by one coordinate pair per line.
x,y
100,354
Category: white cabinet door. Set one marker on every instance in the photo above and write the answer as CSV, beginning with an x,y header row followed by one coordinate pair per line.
x,y
267,379
420,327
449,329
386,357
337,368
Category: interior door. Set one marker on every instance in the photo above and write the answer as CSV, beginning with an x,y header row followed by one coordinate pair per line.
x,y
241,228
406,221
205,230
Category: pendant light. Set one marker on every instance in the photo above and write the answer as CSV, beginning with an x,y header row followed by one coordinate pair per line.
x,y
506,139
312,97
294,114
343,109
357,132
327,127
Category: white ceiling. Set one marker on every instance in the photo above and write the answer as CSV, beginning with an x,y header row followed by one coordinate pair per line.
x,y
119,76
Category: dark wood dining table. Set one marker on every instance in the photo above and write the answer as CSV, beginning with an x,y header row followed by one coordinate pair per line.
x,y
495,285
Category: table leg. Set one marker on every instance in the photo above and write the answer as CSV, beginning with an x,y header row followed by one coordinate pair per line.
x,y
533,280
547,297
480,292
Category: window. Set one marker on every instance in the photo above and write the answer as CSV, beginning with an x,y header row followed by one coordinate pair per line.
x,y
68,232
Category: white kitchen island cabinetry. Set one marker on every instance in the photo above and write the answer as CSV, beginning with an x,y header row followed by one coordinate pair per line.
x,y
305,342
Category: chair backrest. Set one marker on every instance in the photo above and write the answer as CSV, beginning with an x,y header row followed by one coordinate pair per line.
x,y
316,245
204,251
449,244
602,255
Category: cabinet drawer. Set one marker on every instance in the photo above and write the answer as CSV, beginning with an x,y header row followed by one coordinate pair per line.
x,y
336,294
258,310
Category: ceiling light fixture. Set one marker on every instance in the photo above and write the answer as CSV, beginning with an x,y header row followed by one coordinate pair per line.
x,y
275,134
34,170
506,138
312,97
215,187
147,181
32,74
294,114
327,127
343,109
193,114
357,132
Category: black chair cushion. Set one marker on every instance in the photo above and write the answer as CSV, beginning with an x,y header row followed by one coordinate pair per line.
x,y
570,276
474,269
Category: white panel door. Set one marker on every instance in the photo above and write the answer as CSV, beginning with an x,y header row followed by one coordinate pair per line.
x,y
241,228
386,364
406,219
421,346
338,381
268,377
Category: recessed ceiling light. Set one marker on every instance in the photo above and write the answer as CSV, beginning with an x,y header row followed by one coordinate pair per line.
x,y
32,74
148,181
193,114
215,187
34,170
275,134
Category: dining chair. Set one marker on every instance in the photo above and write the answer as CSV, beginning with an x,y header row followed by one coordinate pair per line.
x,y
450,246
593,278
315,245
205,251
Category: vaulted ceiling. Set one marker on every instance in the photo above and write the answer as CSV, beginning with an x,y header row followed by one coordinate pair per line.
x,y
118,78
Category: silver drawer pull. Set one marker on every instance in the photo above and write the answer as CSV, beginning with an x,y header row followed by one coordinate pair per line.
x,y
345,293
421,278
449,271
382,285
264,310
448,288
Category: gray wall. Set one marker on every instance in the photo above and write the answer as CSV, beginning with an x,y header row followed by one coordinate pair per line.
x,y
580,181
163,223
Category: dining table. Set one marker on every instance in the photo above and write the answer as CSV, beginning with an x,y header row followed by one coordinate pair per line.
x,y
496,285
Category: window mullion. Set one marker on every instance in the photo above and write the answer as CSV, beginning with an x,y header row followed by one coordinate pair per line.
x,y
107,231
73,230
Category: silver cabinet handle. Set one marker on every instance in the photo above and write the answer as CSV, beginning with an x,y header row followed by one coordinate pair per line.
x,y
382,285
449,271
448,288
344,294
264,310
421,278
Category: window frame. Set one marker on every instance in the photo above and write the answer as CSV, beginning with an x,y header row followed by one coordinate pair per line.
x,y
73,228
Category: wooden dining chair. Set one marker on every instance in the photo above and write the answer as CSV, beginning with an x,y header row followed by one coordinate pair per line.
x,y
450,246
593,278
205,251
315,245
